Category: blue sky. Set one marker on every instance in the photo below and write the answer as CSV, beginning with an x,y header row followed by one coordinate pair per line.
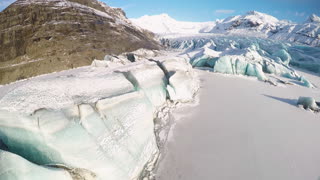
x,y
209,10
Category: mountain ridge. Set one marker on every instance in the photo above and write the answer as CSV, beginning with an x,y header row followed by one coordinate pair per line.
x,y
252,23
44,36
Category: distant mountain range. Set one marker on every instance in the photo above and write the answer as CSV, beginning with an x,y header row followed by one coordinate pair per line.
x,y
252,23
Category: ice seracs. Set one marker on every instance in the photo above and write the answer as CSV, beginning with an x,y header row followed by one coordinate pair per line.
x,y
246,56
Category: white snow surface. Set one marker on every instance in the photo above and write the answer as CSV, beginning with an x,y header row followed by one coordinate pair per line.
x,y
244,129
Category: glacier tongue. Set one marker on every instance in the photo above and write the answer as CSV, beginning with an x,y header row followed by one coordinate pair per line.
x,y
247,56
91,122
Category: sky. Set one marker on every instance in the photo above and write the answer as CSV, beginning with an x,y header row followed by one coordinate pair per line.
x,y
210,10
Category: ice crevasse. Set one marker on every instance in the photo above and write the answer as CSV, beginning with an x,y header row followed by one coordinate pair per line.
x,y
88,123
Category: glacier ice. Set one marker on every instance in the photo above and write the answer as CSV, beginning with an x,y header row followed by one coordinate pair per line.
x,y
306,58
224,65
179,89
256,71
14,167
114,139
308,103
92,120
283,55
149,78
247,56
183,82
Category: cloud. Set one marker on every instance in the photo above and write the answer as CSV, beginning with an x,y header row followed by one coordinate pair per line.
x,y
224,11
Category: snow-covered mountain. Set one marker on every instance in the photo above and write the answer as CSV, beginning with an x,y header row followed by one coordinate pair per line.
x,y
253,23
164,24
306,33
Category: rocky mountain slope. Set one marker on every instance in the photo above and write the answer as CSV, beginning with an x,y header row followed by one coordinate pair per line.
x,y
253,23
43,36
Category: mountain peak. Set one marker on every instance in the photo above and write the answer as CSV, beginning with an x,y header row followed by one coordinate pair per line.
x,y
254,13
313,18
89,3
165,15
259,14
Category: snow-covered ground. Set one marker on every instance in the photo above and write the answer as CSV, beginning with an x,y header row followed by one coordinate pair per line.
x,y
244,129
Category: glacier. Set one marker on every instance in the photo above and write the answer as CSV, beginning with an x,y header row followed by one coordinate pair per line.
x,y
89,123
248,56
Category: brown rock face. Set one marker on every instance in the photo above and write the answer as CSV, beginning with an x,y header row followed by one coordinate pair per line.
x,y
43,36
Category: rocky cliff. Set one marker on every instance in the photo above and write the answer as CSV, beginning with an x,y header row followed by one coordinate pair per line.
x,y
43,36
